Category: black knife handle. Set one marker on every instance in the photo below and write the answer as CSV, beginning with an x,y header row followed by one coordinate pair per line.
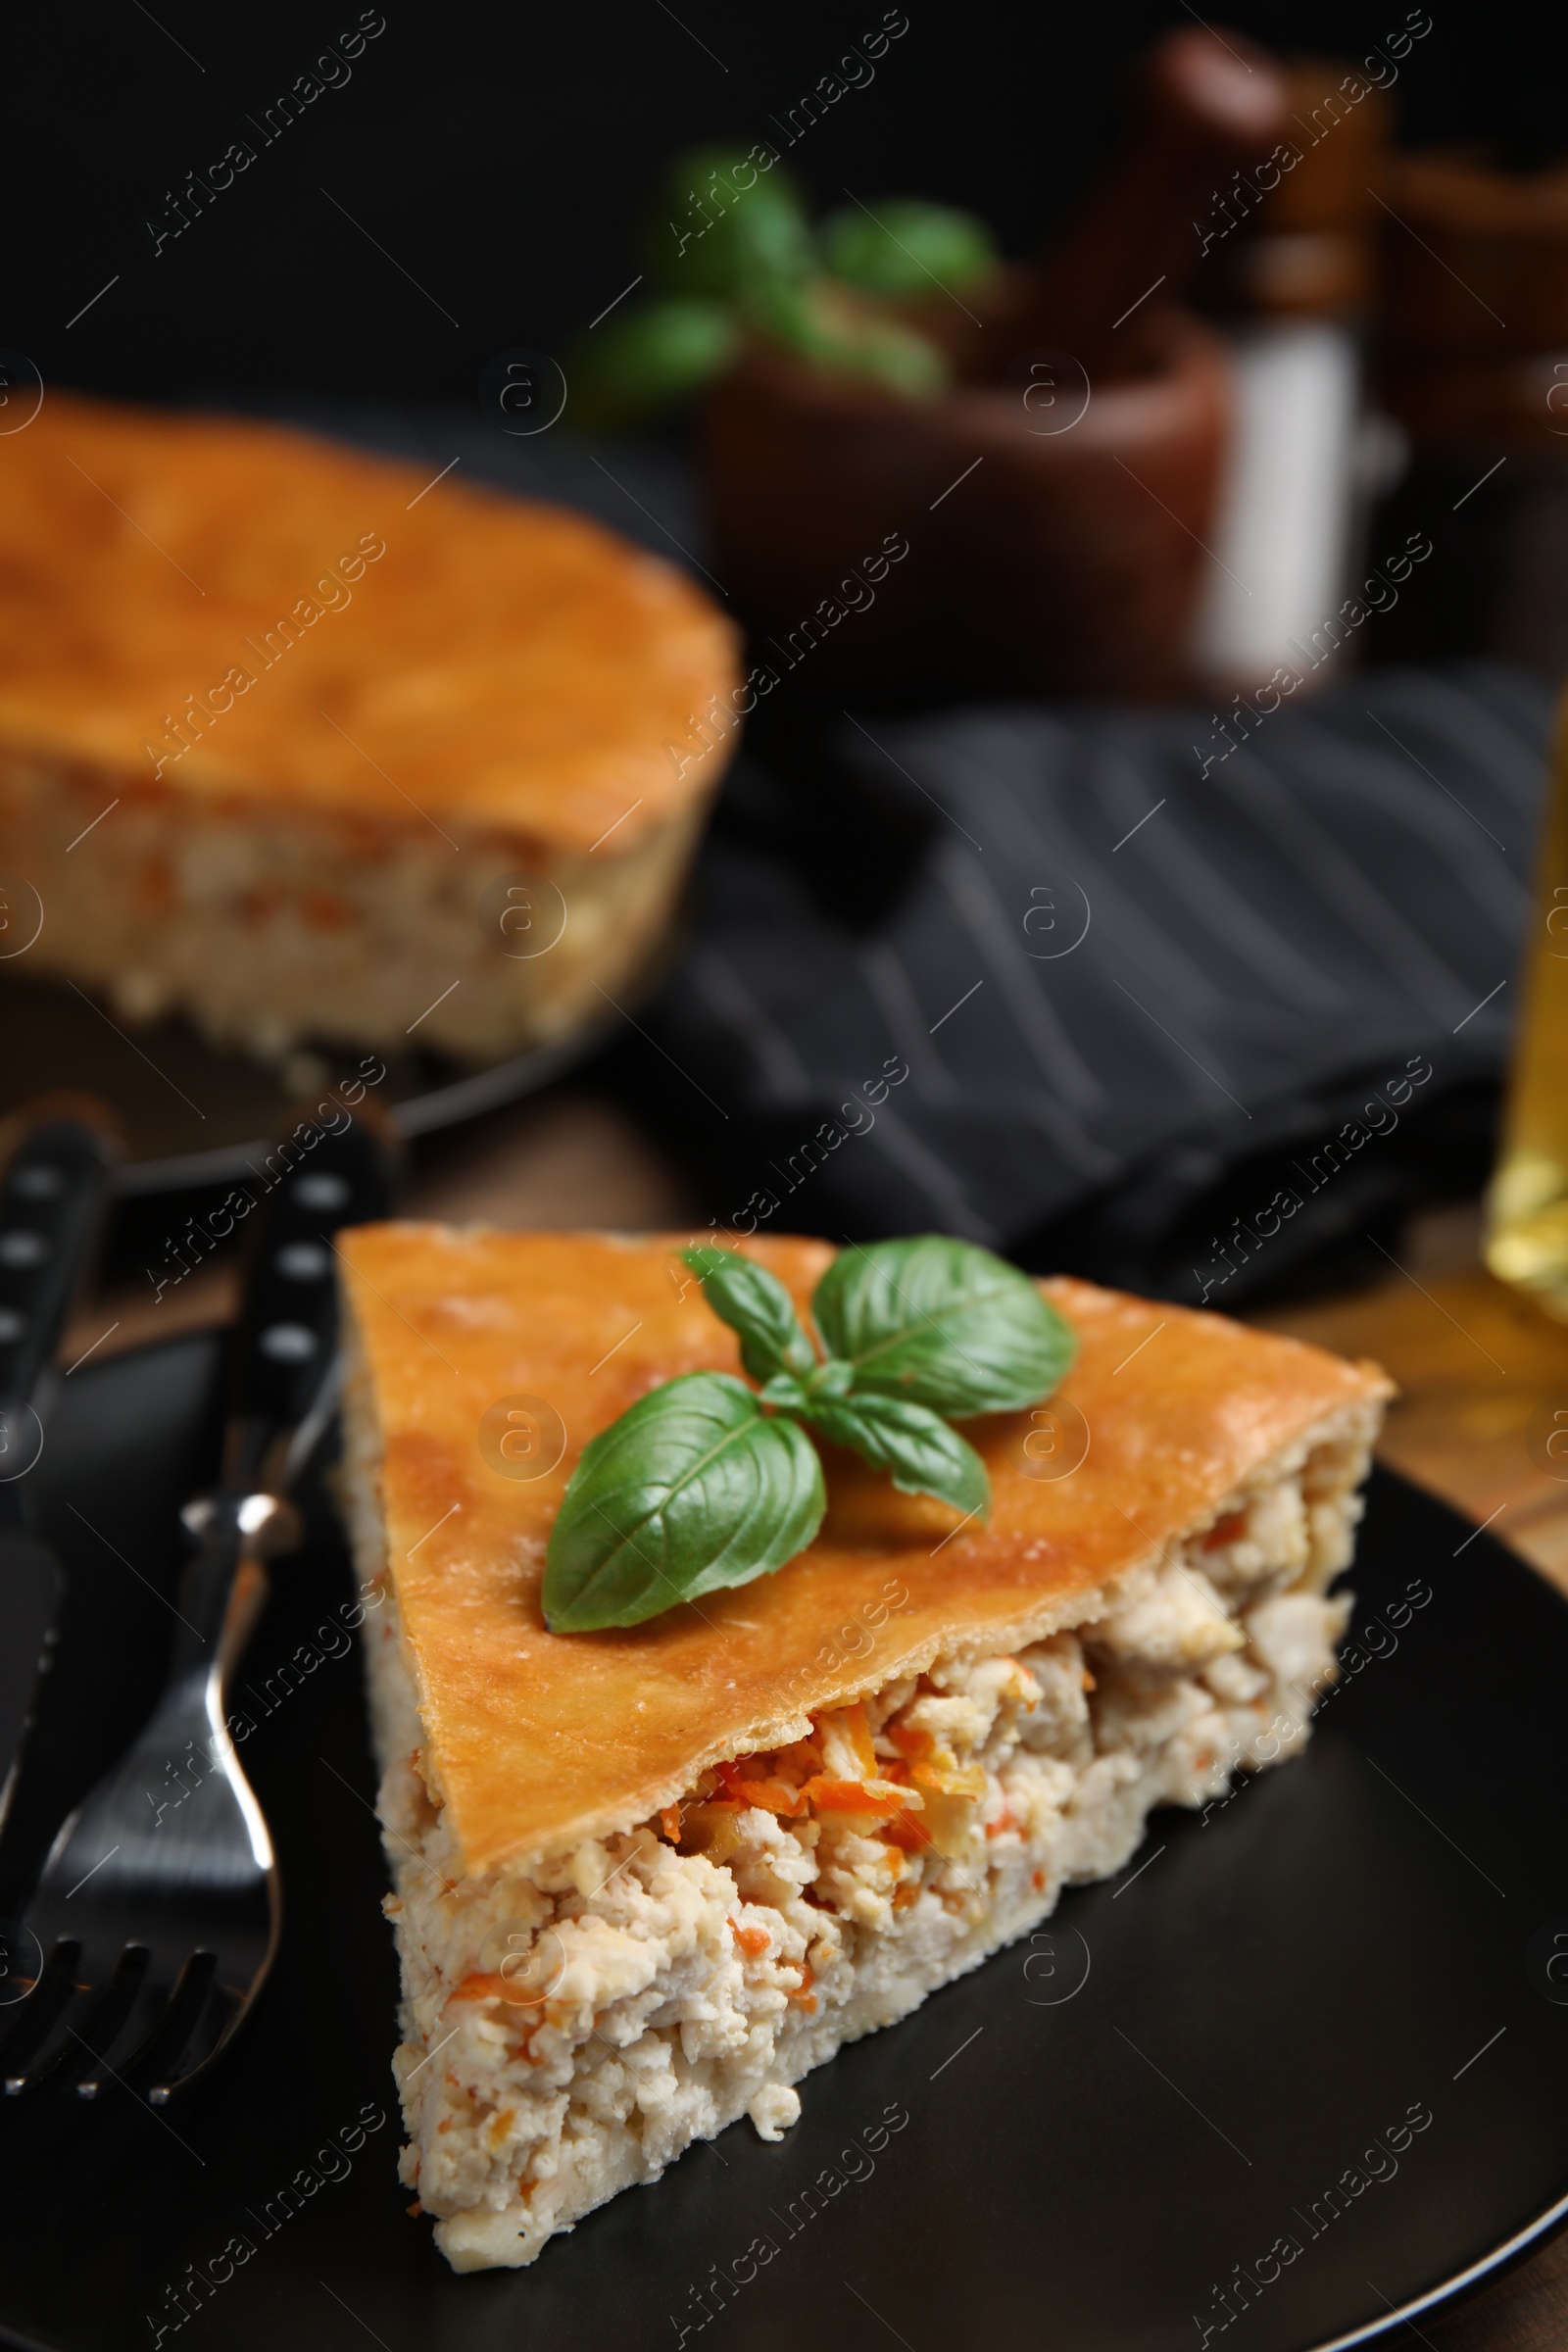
x,y
53,1194
315,1179
30,1611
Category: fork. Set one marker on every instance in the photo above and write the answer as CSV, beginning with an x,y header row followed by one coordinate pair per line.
x,y
158,1916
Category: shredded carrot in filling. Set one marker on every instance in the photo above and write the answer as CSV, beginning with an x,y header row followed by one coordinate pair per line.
x,y
325,910
851,1722
909,1832
484,1985
1225,1531
911,1742
848,1797
758,1787
886,1797
754,1942
777,1796
802,1992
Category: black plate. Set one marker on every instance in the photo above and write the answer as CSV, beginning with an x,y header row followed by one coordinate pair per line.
x,y
203,1125
1079,2163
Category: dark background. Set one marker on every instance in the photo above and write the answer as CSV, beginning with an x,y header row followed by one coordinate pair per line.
x,y
500,166
503,157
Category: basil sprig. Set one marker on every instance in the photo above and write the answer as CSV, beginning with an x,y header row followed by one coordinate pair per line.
x,y
706,1482
695,1487
944,1323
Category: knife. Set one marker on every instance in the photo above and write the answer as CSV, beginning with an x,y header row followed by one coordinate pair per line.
x,y
285,1370
53,1194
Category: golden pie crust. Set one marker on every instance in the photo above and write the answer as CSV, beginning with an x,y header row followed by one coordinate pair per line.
x,y
534,1740
505,664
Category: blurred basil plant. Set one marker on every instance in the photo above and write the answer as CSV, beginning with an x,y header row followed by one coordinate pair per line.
x,y
732,256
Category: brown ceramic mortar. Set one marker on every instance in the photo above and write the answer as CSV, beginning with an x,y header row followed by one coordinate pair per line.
x,y
1054,545
1038,561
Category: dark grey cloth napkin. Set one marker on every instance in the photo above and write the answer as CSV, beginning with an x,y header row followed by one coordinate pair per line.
x,y
1032,975
887,1020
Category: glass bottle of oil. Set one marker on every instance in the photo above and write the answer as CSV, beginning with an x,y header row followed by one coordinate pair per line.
x,y
1527,1207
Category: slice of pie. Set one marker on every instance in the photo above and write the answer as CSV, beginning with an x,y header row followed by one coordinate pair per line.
x,y
647,1879
307,744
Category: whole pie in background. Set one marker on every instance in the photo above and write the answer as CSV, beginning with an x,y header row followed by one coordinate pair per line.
x,y
296,744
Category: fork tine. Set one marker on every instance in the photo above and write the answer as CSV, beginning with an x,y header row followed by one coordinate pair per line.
x,y
155,2060
132,1987
79,2029
50,1997
156,2033
212,2010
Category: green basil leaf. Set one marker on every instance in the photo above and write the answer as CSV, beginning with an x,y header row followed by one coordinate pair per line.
x,y
753,1302
718,226
915,1445
694,1488
943,1323
900,244
815,321
648,358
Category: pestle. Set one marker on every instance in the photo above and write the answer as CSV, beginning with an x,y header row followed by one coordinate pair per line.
x,y
1209,104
